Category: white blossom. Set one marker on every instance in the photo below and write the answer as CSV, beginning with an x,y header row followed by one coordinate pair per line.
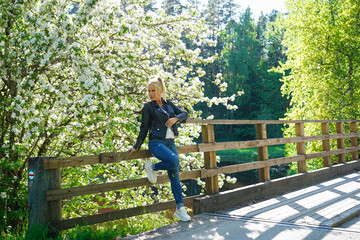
x,y
88,73
3,195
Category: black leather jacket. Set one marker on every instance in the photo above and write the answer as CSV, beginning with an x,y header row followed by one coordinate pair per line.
x,y
154,118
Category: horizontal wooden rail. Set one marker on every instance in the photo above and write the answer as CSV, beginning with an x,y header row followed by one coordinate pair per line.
x,y
114,157
272,162
119,214
246,122
54,194
112,186
205,147
332,152
202,173
110,157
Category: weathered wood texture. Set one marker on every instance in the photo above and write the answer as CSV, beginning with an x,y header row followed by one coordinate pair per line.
x,y
226,121
202,147
326,144
118,214
52,194
354,141
327,204
211,183
340,141
263,154
41,180
300,147
112,186
201,173
104,158
232,198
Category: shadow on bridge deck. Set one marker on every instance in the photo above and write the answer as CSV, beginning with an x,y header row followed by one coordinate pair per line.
x,y
309,213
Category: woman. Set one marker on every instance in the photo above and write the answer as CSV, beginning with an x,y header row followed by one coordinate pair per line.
x,y
159,118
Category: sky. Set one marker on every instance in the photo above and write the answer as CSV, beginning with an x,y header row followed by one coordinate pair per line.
x,y
257,6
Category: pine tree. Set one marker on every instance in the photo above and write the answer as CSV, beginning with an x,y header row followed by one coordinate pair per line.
x,y
172,7
230,11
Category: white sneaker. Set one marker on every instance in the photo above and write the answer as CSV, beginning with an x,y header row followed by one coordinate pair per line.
x,y
182,215
150,172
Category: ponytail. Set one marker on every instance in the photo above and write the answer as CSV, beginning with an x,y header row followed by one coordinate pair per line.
x,y
158,82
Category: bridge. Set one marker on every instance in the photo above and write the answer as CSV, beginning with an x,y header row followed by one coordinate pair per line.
x,y
334,189
319,211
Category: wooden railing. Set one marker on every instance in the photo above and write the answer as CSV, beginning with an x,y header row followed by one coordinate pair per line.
x,y
45,193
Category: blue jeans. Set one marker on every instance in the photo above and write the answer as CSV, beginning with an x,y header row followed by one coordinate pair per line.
x,y
166,152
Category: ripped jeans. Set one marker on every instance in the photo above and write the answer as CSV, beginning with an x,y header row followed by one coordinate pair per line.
x,y
166,152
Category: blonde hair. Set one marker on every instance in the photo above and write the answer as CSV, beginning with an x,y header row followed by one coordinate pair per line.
x,y
158,82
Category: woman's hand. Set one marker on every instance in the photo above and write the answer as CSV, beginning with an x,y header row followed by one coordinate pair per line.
x,y
131,151
169,123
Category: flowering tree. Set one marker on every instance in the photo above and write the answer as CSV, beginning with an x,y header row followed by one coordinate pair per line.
x,y
71,78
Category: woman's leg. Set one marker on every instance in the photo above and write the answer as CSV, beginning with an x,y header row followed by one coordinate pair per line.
x,y
160,149
166,152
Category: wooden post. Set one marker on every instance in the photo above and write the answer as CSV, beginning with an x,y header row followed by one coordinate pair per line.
x,y
208,136
264,173
326,144
354,141
40,180
340,141
300,147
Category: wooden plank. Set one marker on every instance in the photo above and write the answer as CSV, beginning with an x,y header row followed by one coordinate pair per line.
x,y
300,197
112,186
40,180
235,197
304,205
264,173
190,149
110,157
113,157
351,222
310,206
332,152
300,147
206,147
204,173
331,214
225,121
340,141
118,214
203,147
272,162
250,166
211,183
354,141
326,144
344,135
71,161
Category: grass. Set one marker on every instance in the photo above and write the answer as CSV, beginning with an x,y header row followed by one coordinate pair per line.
x,y
105,231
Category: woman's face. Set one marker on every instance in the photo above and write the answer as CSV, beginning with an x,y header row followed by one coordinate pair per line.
x,y
154,93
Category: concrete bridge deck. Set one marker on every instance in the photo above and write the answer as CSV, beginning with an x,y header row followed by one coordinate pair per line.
x,y
328,210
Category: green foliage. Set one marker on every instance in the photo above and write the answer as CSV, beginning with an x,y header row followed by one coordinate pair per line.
x,y
106,231
323,42
323,55
247,50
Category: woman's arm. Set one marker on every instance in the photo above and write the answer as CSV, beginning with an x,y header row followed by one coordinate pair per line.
x,y
179,114
144,127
